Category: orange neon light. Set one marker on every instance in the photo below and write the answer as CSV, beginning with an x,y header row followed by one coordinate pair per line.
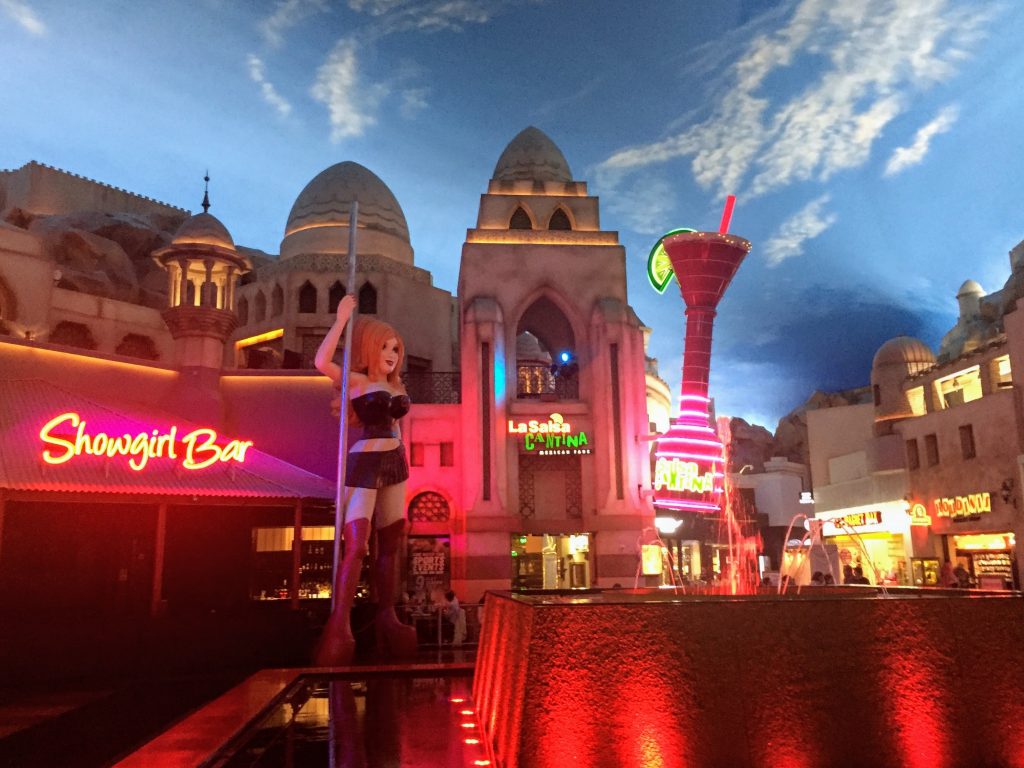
x,y
199,447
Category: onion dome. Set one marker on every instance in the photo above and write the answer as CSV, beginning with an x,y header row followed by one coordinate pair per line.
x,y
203,229
327,200
904,351
533,156
970,288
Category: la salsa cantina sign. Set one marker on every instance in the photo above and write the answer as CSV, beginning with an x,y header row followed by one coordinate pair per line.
x,y
68,436
552,437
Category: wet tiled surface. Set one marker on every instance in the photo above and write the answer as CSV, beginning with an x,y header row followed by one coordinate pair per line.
x,y
367,722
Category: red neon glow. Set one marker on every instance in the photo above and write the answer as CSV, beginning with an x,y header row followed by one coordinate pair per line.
x,y
199,448
704,264
730,201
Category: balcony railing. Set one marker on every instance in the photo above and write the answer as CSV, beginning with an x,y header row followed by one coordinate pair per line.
x,y
428,387
538,381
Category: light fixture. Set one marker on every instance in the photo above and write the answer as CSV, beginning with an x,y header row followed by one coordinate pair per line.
x,y
667,524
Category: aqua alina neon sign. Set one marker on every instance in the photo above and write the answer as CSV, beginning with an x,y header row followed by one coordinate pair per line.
x,y
197,449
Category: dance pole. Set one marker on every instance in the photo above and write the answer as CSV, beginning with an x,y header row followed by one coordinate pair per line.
x,y
346,365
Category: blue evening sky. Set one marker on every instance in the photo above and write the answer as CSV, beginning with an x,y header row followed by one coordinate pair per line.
x,y
871,143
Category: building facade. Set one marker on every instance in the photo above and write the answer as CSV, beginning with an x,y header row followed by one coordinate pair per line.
x,y
527,437
927,478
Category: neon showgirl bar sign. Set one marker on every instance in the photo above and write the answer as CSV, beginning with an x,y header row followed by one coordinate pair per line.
x,y
689,469
67,437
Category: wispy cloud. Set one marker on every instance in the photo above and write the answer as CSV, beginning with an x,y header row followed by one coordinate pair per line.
x,y
350,106
865,58
904,157
427,15
287,14
414,101
270,94
24,15
806,224
645,205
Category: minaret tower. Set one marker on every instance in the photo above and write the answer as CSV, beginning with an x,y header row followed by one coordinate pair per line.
x,y
203,268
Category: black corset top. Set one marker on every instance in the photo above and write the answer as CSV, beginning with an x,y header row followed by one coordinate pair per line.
x,y
378,411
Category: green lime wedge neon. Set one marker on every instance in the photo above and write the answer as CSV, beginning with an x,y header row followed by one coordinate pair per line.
x,y
659,268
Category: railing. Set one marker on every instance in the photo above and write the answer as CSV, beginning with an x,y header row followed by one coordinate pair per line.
x,y
428,387
539,381
435,629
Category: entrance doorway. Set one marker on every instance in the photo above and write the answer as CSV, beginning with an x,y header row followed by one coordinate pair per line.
x,y
551,561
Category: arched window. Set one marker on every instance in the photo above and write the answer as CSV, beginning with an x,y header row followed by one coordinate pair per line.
x,y
137,345
520,220
307,298
334,296
243,311
546,362
367,299
277,301
429,507
559,220
72,335
260,311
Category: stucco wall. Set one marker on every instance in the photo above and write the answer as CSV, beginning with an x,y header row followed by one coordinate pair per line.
x,y
752,682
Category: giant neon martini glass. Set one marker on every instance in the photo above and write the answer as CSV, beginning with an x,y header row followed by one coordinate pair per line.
x,y
689,462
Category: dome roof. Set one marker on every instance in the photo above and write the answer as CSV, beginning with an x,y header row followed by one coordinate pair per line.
x,y
970,288
326,201
203,229
529,349
906,351
532,155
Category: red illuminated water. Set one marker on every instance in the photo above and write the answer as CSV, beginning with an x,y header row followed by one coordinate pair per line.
x,y
740,574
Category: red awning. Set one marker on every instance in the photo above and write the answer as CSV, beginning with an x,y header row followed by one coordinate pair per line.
x,y
27,405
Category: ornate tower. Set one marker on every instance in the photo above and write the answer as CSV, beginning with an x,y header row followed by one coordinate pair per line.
x,y
203,268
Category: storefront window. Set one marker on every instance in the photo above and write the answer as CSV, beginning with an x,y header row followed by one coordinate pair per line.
x,y
551,561
272,563
960,387
428,571
1001,377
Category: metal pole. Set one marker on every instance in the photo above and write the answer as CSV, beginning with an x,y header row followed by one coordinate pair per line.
x,y
346,364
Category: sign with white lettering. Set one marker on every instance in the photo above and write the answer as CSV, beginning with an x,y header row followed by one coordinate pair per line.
x,y
553,437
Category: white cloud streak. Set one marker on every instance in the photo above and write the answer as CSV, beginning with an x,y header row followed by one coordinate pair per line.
x,y
350,108
286,15
905,157
645,205
867,56
23,14
270,94
414,101
806,224
427,15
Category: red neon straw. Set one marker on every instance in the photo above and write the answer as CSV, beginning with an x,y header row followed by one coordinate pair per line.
x,y
730,201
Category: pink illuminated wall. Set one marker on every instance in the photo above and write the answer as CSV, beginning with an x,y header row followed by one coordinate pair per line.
x,y
637,682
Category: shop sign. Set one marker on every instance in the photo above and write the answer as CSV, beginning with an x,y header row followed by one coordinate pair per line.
x,y
919,515
673,474
553,437
67,437
426,563
960,507
838,526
